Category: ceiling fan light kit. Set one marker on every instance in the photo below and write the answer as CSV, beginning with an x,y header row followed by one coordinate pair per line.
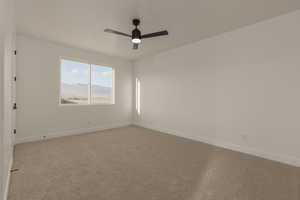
x,y
136,36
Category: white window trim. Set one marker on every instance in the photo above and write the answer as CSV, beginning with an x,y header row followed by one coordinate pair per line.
x,y
90,74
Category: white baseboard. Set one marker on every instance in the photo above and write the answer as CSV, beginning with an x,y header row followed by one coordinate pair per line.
x,y
44,136
290,160
286,159
6,187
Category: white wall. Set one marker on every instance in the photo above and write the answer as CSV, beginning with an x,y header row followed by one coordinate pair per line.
x,y
240,90
7,42
39,113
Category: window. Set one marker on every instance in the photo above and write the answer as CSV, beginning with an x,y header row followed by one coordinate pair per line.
x,y
83,83
138,96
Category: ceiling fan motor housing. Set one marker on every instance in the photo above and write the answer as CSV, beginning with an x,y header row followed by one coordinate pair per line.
x,y
136,33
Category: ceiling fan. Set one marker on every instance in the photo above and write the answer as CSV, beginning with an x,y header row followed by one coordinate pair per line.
x,y
136,36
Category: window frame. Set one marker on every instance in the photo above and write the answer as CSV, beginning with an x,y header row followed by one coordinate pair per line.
x,y
90,79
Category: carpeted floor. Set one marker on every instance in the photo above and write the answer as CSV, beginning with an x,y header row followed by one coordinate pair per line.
x,y
133,163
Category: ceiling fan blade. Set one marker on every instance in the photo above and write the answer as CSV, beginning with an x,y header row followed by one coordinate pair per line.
x,y
116,32
135,46
150,35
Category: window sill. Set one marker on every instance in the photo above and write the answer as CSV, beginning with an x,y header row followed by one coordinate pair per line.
x,y
96,104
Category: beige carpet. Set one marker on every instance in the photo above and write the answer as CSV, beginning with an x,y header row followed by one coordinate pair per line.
x,y
133,163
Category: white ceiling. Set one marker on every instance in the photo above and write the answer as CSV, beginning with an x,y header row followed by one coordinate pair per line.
x,y
80,23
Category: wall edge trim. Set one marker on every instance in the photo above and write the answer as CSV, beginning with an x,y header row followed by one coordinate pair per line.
x,y
70,132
